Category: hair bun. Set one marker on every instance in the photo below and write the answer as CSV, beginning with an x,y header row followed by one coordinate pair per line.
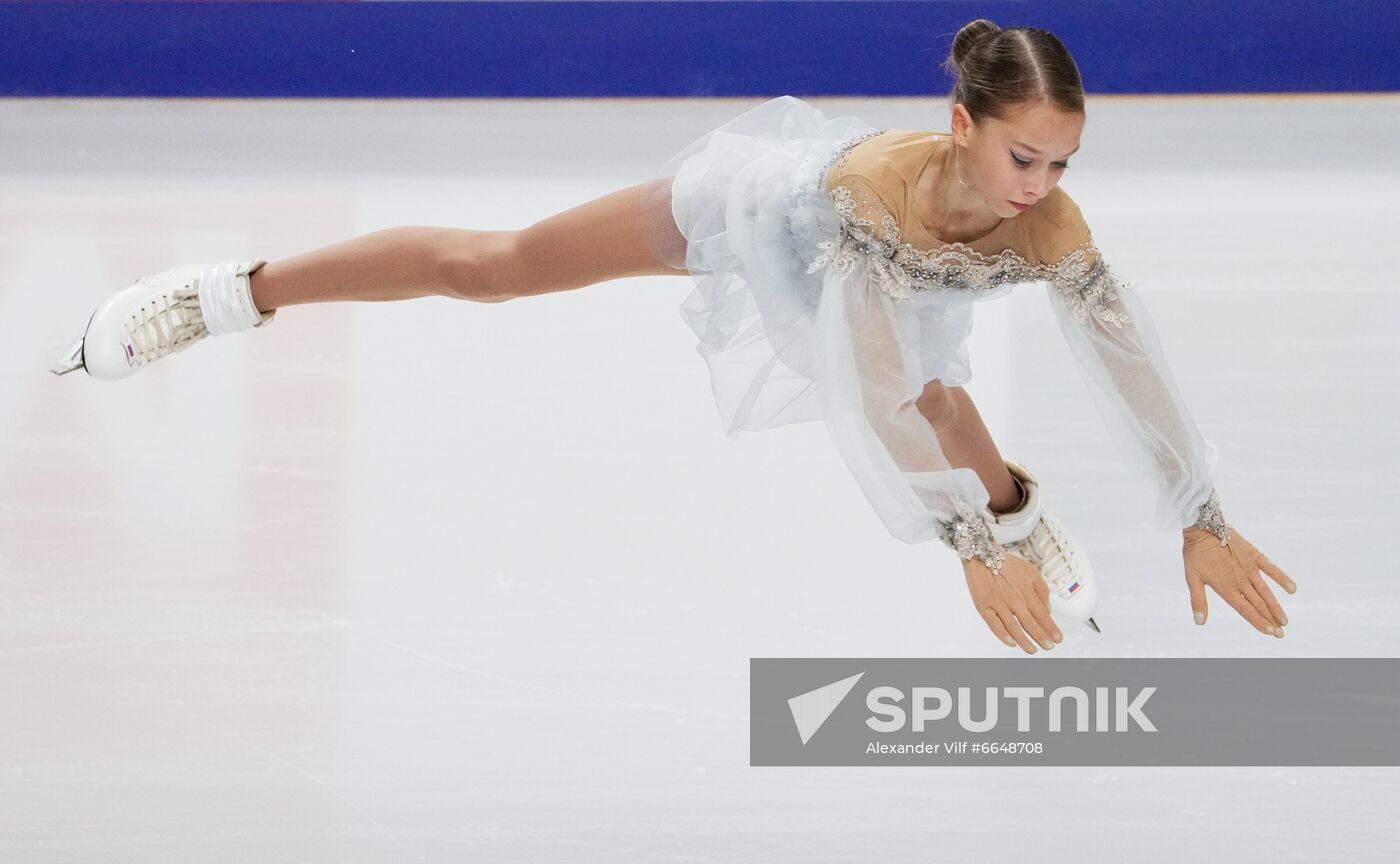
x,y
972,33
993,74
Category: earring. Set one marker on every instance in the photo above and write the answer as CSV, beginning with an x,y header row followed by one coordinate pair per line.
x,y
957,165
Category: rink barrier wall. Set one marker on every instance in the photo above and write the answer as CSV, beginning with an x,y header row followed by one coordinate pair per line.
x,y
672,49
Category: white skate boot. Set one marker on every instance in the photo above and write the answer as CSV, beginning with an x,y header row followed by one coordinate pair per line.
x,y
162,314
1037,536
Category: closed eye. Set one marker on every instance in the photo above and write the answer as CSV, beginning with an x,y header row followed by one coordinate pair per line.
x,y
1025,163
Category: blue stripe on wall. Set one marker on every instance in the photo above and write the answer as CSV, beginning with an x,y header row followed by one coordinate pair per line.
x,y
739,48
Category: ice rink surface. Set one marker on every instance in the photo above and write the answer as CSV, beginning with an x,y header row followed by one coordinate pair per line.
x,y
443,581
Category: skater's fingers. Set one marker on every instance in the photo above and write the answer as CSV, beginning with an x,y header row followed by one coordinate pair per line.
x,y
993,620
1025,592
1238,602
1276,573
1008,621
1020,600
1031,623
1039,607
1270,601
1198,596
1253,598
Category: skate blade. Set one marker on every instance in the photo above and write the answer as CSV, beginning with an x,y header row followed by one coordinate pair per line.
x,y
1092,625
71,360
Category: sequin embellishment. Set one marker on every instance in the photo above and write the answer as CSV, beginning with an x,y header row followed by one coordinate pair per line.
x,y
971,537
1211,519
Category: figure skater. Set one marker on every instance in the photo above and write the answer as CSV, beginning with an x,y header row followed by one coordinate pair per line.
x,y
835,268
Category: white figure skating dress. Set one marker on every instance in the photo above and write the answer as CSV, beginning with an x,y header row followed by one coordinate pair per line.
x,y
818,295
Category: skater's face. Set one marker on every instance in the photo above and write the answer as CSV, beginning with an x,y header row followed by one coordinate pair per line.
x,y
1016,159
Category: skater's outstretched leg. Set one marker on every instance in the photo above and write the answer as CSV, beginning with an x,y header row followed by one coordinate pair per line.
x,y
600,240
625,233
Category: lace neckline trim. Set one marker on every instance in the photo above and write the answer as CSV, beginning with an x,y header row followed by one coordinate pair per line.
x,y
887,243
900,270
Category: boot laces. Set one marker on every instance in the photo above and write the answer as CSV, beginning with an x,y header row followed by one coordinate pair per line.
x,y
169,322
1049,549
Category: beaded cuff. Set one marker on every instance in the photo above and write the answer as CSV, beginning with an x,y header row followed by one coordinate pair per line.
x,y
970,537
1211,519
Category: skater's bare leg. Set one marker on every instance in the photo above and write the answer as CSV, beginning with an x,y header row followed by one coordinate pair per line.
x,y
606,238
966,442
603,239
393,264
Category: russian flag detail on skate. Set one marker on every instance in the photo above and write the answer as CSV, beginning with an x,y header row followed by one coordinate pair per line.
x,y
1074,587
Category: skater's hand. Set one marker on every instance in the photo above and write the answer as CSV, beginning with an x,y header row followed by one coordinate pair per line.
x,y
1233,571
1016,604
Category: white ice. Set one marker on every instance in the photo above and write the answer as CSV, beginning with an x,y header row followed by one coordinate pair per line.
x,y
443,581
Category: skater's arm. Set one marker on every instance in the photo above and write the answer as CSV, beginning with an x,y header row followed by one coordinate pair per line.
x,y
870,401
871,395
1107,327
391,264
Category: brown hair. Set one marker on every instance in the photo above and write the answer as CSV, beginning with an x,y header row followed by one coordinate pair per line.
x,y
996,69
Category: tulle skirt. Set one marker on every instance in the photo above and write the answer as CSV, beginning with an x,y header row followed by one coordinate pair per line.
x,y
749,198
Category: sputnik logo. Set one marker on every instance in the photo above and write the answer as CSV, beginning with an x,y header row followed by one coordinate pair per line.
x,y
810,709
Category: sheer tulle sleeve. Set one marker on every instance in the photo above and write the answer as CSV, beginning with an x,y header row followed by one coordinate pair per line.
x,y
1114,340
869,389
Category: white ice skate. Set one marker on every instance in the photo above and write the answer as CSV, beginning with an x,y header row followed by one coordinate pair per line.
x,y
1034,534
162,314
